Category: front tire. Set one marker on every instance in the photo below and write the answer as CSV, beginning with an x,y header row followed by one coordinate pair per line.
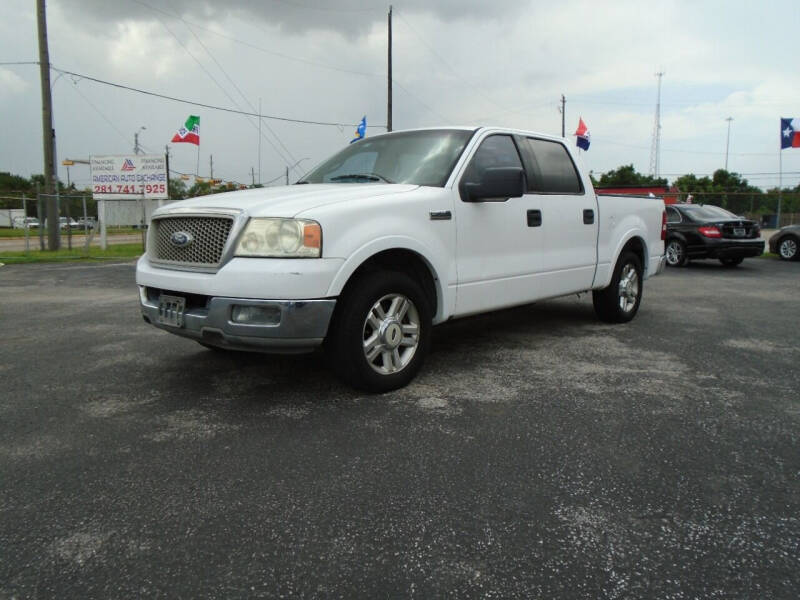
x,y
381,331
619,302
788,248
676,253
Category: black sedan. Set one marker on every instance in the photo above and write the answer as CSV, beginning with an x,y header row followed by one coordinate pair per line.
x,y
786,242
704,231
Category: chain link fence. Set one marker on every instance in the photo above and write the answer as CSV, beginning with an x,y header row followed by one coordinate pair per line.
x,y
81,222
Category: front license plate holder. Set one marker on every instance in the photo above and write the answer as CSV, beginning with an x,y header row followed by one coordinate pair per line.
x,y
171,310
739,232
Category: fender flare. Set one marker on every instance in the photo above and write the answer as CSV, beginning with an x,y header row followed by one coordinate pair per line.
x,y
444,303
627,237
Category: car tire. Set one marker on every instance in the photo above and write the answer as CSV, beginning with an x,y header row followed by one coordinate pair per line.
x,y
731,262
381,331
619,302
788,247
676,253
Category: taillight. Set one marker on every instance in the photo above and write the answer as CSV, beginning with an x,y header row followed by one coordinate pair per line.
x,y
663,225
710,232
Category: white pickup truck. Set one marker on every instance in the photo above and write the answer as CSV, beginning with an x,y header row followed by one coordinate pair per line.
x,y
390,236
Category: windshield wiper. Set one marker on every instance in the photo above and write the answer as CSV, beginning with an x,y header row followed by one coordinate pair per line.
x,y
301,182
366,176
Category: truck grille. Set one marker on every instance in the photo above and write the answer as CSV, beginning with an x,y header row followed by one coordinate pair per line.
x,y
207,237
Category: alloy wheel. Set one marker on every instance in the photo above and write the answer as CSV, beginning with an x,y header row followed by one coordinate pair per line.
x,y
628,288
391,334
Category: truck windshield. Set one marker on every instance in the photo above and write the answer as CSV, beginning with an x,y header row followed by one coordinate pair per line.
x,y
416,157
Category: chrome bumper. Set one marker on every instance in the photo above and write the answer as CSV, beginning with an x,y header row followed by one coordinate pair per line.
x,y
302,326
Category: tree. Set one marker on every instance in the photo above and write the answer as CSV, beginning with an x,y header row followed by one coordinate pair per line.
x,y
200,188
177,189
626,175
724,189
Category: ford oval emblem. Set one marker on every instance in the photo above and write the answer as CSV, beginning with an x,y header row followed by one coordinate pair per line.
x,y
181,239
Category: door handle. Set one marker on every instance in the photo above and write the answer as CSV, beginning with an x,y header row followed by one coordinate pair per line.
x,y
534,218
441,215
588,216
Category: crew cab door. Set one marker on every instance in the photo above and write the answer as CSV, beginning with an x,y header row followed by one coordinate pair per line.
x,y
499,241
569,217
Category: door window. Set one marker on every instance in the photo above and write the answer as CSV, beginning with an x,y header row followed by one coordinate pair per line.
x,y
494,151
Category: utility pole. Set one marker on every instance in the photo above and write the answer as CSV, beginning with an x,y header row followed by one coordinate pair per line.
x,y
287,175
655,149
136,148
211,168
563,115
253,175
259,141
166,158
48,133
728,142
389,96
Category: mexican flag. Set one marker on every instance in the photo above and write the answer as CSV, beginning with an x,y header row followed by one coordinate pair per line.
x,y
190,132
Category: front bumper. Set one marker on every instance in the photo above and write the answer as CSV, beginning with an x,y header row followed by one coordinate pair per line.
x,y
301,327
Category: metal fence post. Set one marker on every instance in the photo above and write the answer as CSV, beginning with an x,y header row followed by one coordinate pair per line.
x,y
102,216
26,225
69,227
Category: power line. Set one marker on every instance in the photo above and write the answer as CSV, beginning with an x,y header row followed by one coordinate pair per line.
x,y
97,110
236,87
328,9
208,106
207,72
236,40
447,64
707,152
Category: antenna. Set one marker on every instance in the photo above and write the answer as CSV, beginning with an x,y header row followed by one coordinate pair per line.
x,y
655,149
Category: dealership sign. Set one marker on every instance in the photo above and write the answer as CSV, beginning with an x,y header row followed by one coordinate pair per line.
x,y
136,177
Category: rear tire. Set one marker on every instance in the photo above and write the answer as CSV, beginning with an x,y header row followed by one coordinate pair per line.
x,y
731,262
676,253
619,302
381,331
788,248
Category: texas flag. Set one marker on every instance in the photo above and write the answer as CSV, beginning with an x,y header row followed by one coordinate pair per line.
x,y
584,137
790,133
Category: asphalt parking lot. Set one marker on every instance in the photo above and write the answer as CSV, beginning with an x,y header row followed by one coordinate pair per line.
x,y
540,453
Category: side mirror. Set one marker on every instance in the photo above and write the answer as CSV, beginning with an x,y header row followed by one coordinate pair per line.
x,y
497,183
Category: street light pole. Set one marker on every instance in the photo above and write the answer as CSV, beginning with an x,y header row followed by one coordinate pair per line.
x,y
136,147
728,141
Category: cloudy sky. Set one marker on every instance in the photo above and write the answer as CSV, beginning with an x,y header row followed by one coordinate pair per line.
x,y
469,62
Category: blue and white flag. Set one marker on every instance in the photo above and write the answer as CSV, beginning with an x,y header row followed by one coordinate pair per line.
x,y
361,130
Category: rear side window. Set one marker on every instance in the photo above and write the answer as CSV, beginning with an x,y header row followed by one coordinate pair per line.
x,y
673,216
553,169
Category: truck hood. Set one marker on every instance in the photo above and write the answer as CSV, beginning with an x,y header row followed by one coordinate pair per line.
x,y
287,201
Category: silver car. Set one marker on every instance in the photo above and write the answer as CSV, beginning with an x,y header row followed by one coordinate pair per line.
x,y
785,242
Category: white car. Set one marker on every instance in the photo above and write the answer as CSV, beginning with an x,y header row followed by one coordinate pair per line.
x,y
390,236
26,223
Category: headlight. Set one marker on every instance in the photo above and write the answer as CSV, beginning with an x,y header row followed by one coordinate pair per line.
x,y
282,238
